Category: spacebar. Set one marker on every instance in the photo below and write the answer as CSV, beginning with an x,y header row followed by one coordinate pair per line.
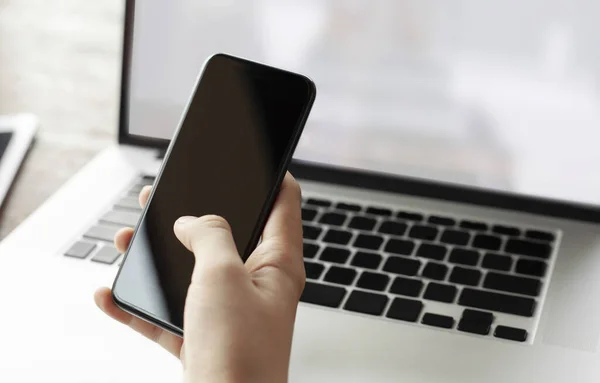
x,y
323,295
487,300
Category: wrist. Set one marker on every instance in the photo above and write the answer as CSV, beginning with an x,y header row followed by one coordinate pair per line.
x,y
231,376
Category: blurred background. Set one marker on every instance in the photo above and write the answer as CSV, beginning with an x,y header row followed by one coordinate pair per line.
x,y
59,59
494,94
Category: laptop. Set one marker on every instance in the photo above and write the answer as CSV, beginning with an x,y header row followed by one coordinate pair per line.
x,y
450,195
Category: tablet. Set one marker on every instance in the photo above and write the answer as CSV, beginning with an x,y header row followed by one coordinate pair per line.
x,y
16,135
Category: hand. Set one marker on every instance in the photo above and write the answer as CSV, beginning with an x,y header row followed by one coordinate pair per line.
x,y
239,318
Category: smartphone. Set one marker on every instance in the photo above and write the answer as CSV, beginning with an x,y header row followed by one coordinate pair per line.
x,y
228,157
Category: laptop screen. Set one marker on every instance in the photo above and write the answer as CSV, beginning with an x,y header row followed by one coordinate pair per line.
x,y
495,94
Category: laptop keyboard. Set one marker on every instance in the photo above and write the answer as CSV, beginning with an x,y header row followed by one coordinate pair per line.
x,y
435,270
96,243
416,267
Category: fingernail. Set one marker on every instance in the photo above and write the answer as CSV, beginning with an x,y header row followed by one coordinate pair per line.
x,y
184,219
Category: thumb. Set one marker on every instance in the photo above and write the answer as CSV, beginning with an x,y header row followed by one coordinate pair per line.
x,y
209,238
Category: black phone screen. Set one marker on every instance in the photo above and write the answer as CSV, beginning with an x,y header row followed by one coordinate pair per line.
x,y
242,123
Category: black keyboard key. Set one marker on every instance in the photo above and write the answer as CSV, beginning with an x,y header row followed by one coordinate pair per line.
x,y
318,202
399,246
473,225
492,301
393,228
140,184
366,303
512,284
476,315
334,219
366,260
423,232
540,235
487,242
406,286
430,251
409,216
436,320
80,249
442,221
405,309
464,276
529,248
310,249
373,281
102,232
308,214
497,262
129,202
311,232
368,241
362,223
338,237
400,265
510,333
135,190
348,207
464,257
322,295
335,254
476,322
340,275
435,271
441,293
107,254
384,212
506,230
531,267
455,237
121,217
313,270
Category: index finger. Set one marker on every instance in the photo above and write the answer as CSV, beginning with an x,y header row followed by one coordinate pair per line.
x,y
144,195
